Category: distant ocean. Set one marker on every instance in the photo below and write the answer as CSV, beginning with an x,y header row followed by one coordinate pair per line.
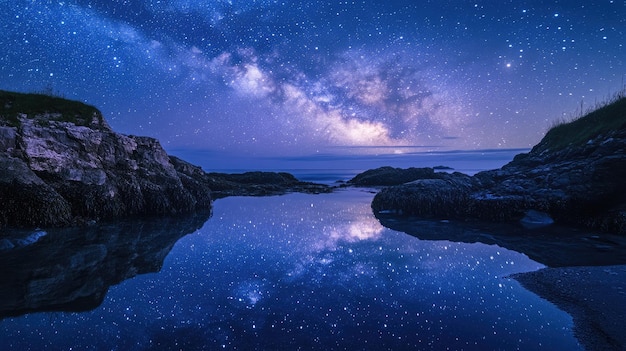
x,y
330,168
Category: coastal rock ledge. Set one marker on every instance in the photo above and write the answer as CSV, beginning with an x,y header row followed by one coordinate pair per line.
x,y
61,164
575,176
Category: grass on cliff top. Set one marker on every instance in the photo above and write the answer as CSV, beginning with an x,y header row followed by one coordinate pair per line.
x,y
37,105
610,117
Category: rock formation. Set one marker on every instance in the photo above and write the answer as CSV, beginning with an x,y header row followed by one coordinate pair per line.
x,y
386,176
260,184
58,167
575,177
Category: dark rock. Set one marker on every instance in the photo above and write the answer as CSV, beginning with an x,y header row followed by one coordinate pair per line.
x,y
579,185
265,178
385,176
428,198
260,184
59,170
535,219
25,198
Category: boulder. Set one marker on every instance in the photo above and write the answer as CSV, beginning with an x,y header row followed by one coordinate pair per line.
x,y
535,219
427,198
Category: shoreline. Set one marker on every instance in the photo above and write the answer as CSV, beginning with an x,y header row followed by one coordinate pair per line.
x,y
595,297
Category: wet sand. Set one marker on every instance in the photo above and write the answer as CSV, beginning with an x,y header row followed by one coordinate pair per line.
x,y
595,297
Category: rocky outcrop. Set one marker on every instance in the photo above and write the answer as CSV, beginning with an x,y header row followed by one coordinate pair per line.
x,y
59,171
386,176
580,185
260,184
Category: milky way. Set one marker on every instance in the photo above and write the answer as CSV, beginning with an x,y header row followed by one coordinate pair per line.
x,y
299,78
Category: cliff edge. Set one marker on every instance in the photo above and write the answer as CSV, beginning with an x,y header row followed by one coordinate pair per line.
x,y
61,164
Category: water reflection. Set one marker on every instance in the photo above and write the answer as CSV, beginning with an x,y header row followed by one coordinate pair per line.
x,y
553,246
355,226
311,272
362,229
72,269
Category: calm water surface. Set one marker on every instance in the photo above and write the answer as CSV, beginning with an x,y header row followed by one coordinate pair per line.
x,y
310,272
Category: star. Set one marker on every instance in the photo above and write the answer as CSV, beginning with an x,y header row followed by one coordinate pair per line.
x,y
297,78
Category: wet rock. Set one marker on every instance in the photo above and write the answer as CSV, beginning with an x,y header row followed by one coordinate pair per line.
x,y
535,219
579,185
428,198
64,171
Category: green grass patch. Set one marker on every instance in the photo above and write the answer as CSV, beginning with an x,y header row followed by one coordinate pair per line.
x,y
44,108
610,117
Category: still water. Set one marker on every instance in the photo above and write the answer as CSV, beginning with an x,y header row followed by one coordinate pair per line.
x,y
299,272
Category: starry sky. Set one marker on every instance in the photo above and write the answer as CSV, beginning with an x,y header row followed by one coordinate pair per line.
x,y
288,78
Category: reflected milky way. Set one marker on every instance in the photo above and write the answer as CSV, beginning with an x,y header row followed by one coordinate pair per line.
x,y
316,272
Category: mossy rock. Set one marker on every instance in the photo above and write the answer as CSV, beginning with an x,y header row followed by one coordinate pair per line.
x,y
46,108
607,119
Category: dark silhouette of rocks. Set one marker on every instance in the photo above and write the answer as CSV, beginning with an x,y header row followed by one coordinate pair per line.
x,y
386,176
72,269
260,184
576,184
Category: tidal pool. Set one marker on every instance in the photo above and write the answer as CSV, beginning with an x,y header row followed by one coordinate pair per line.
x,y
308,272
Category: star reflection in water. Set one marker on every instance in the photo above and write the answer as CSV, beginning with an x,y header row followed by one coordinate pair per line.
x,y
314,272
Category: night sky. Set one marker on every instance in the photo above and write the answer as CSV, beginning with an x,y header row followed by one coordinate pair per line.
x,y
287,78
